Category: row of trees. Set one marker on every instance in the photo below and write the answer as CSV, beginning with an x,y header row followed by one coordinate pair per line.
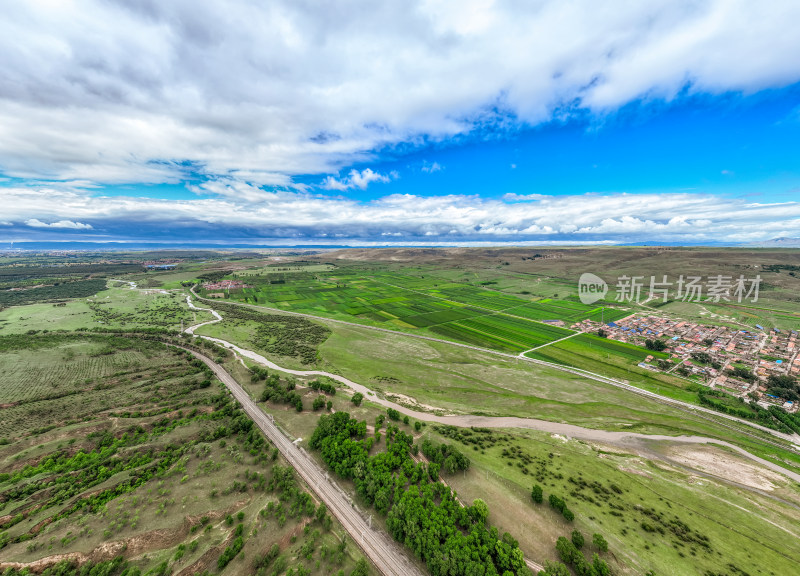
x,y
772,418
421,511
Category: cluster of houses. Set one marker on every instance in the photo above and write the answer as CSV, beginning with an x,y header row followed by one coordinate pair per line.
x,y
711,353
225,286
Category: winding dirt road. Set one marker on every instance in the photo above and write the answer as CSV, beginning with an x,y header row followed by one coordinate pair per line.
x,y
606,436
685,406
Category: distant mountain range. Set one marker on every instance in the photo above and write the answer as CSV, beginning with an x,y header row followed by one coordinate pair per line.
x,y
777,243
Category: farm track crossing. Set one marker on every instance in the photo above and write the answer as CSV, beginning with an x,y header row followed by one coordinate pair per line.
x,y
699,411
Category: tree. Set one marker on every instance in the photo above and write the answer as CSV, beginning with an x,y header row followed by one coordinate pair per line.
x,y
321,512
577,539
600,542
433,471
602,333
357,398
361,569
566,550
600,566
319,402
417,425
536,494
657,345
480,511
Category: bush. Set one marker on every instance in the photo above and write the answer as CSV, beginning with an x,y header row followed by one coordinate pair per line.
x,y
600,542
361,569
357,398
577,539
536,494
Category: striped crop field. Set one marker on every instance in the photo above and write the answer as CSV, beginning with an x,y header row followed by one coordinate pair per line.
x,y
416,302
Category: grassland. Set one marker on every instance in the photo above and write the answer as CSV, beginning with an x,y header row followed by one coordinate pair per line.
x,y
655,512
635,502
437,377
117,306
117,446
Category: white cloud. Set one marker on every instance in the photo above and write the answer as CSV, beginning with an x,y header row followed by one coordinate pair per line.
x,y
236,210
63,224
355,179
144,91
430,168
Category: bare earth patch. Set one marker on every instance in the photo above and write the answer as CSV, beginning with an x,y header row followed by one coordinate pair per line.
x,y
412,403
724,465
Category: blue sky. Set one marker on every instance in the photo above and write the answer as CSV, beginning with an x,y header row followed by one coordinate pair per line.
x,y
474,122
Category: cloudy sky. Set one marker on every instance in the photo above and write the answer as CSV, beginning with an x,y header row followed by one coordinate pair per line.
x,y
356,122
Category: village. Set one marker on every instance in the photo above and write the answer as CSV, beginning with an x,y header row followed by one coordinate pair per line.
x,y
745,363
224,286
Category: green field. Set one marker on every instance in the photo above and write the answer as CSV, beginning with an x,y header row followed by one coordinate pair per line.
x,y
63,393
634,503
408,300
616,360
117,306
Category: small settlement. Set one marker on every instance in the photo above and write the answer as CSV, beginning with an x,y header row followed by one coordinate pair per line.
x,y
742,362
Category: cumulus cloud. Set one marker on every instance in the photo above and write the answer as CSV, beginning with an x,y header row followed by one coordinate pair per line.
x,y
298,216
355,179
63,224
111,91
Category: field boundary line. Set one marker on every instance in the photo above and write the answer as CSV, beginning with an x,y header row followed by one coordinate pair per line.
x,y
522,354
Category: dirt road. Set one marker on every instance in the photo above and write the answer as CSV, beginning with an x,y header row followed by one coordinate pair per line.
x,y
624,439
685,406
